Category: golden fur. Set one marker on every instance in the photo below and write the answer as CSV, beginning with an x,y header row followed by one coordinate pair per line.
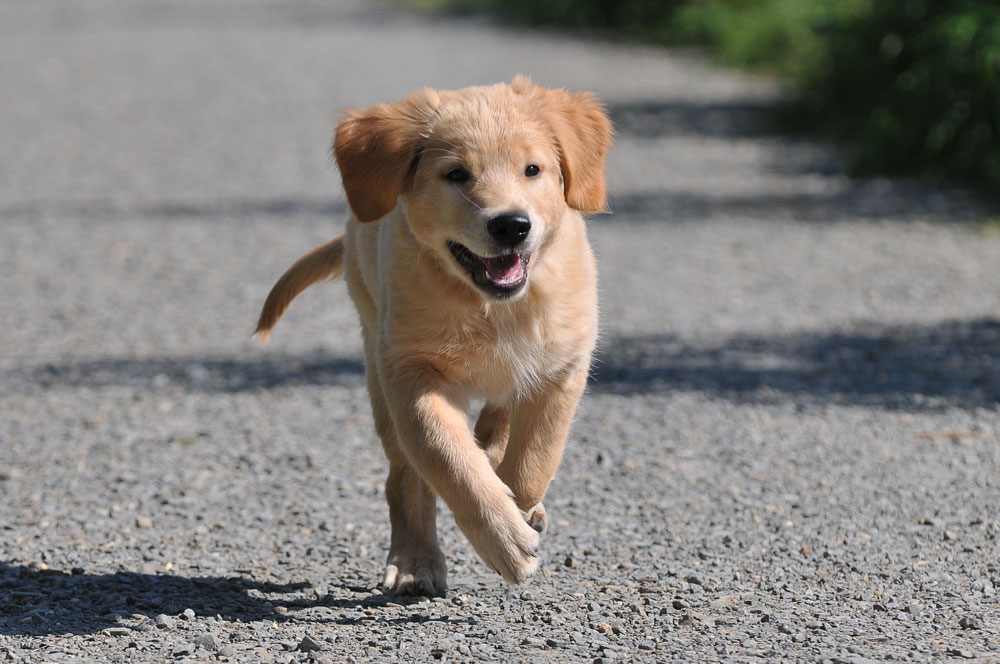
x,y
516,326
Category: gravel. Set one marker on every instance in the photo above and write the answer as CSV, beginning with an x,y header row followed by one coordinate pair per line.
x,y
788,451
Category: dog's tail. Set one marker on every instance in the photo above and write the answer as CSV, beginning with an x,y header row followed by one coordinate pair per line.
x,y
323,262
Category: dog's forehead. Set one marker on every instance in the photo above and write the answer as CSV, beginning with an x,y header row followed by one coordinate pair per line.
x,y
486,119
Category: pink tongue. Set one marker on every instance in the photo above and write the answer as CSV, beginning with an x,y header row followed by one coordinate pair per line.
x,y
504,268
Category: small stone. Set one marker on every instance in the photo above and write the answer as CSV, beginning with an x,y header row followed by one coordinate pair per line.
x,y
603,627
815,624
163,621
556,643
950,536
680,604
533,642
858,658
693,580
527,596
785,629
964,654
77,571
187,614
227,650
207,641
970,622
309,644
143,522
569,562
118,631
724,602
280,610
184,651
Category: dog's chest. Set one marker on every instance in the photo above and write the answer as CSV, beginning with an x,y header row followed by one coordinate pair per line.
x,y
506,357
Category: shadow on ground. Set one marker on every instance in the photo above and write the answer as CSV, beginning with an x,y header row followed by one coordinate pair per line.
x,y
54,602
177,210
195,373
741,119
852,200
954,363
824,194
39,603
900,367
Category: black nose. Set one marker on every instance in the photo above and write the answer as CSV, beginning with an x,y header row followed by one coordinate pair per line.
x,y
509,229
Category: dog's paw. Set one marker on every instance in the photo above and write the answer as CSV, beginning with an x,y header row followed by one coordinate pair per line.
x,y
514,557
416,573
537,518
507,543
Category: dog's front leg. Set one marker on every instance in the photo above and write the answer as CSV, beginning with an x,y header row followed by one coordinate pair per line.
x,y
432,425
539,426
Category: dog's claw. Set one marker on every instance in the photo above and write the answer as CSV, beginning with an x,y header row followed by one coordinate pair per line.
x,y
537,518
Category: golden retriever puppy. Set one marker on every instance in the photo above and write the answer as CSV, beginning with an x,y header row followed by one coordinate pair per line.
x,y
467,259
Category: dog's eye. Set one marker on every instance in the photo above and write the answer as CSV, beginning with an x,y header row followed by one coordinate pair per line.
x,y
457,175
532,170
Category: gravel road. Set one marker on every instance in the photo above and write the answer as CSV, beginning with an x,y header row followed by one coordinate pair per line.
x,y
789,450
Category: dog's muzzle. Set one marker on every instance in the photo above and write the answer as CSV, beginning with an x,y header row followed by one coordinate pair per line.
x,y
500,276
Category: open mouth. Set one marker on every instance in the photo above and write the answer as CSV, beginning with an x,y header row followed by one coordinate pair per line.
x,y
500,276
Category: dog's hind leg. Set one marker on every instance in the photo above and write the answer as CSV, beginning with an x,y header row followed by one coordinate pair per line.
x,y
415,564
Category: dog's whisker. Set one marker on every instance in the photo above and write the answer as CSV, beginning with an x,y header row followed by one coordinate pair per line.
x,y
471,202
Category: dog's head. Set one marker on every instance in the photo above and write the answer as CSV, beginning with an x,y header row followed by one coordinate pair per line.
x,y
485,174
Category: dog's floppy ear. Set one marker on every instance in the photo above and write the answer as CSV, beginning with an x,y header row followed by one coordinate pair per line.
x,y
376,149
583,133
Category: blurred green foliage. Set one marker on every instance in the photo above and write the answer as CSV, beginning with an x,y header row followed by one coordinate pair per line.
x,y
641,19
909,86
785,37
913,86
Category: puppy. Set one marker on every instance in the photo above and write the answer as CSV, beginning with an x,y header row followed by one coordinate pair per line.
x,y
467,259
